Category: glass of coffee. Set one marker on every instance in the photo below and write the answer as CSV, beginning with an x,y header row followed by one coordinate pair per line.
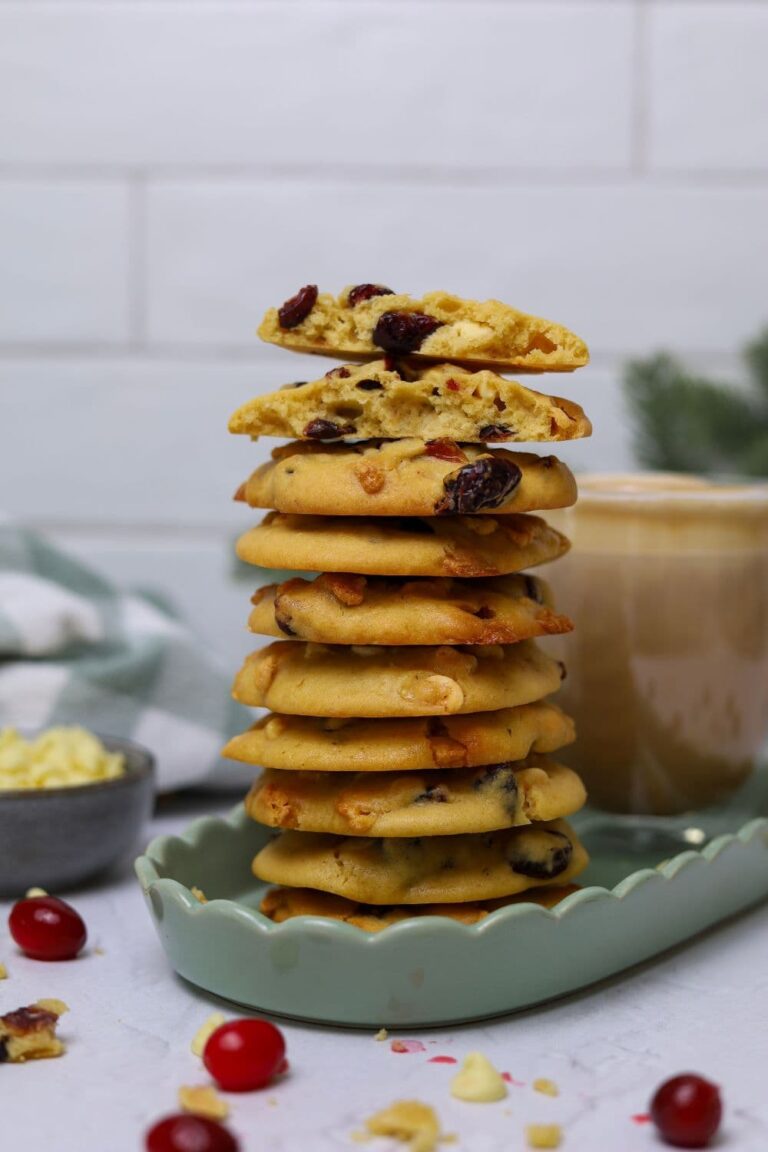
x,y
667,581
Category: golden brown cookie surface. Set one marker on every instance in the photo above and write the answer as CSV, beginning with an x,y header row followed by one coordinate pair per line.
x,y
281,904
313,744
393,400
466,546
367,319
329,680
340,608
407,478
446,802
426,870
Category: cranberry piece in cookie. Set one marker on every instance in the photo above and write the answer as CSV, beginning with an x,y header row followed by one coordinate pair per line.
x,y
296,310
403,332
541,856
363,292
444,449
495,432
326,430
485,483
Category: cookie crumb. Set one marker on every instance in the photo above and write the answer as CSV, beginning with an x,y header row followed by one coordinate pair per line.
x,y
30,1033
205,1031
382,1034
202,1100
543,1135
199,894
409,1121
546,1087
98,951
478,1082
3,972
32,893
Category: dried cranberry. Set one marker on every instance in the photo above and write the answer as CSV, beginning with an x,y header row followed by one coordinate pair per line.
x,y
184,1133
242,1055
340,373
485,483
687,1111
541,856
444,449
496,432
453,385
403,332
363,292
369,385
326,430
46,928
295,310
435,793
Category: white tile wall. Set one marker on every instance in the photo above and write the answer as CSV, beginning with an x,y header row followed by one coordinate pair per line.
x,y
318,82
708,85
168,168
65,266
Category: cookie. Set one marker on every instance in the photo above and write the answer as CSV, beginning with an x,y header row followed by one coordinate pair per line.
x,y
30,1033
305,743
447,802
369,319
393,400
339,608
407,478
428,869
463,546
321,680
281,904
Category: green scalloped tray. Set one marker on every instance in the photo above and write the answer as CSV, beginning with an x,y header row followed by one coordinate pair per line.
x,y
431,970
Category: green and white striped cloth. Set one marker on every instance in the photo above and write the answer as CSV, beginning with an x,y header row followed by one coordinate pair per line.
x,y
76,650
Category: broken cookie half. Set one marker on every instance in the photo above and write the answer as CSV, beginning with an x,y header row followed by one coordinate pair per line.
x,y
30,1033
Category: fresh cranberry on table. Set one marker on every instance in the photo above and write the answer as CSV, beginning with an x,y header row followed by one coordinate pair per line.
x,y
46,928
185,1133
687,1111
244,1054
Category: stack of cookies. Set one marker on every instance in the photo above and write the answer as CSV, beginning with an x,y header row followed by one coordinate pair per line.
x,y
407,752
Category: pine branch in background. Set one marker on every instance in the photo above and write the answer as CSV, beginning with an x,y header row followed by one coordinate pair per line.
x,y
688,423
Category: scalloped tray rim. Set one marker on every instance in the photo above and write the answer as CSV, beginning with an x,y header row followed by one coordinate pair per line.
x,y
146,867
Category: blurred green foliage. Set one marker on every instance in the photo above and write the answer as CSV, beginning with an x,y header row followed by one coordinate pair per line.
x,y
689,423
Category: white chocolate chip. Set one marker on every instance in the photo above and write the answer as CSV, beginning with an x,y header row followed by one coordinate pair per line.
x,y
478,1081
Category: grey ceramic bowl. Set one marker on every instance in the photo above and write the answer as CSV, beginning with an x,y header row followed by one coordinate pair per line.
x,y
58,837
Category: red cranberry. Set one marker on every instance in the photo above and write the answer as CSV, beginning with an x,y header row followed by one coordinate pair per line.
x,y
46,928
295,310
403,332
495,432
244,1054
687,1111
326,430
363,292
485,483
183,1133
444,449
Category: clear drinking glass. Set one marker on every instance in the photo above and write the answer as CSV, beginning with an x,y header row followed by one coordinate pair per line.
x,y
667,583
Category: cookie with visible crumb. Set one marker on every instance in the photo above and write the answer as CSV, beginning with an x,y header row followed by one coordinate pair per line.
x,y
447,802
281,904
368,319
398,399
407,478
466,546
304,679
341,608
30,1033
427,869
314,744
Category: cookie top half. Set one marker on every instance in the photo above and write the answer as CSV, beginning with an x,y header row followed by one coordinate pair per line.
x,y
407,478
368,319
465,546
340,681
435,803
341,608
394,399
316,744
425,869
